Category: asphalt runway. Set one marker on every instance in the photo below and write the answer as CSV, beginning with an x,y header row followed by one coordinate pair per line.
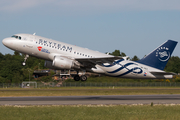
x,y
92,100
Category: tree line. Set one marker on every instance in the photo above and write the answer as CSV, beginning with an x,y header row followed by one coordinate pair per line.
x,y
12,71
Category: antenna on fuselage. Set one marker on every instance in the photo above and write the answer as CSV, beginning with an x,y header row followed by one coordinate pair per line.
x,y
34,34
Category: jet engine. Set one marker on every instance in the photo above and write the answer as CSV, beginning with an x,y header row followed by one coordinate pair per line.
x,y
62,63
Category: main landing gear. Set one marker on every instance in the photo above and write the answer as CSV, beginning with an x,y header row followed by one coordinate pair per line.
x,y
24,63
82,77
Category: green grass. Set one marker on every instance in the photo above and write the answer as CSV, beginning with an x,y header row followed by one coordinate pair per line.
x,y
80,91
90,112
119,112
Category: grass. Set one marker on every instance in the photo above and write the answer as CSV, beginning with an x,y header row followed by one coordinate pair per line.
x,y
123,112
80,91
90,112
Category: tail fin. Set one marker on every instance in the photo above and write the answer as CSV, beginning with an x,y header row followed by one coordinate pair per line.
x,y
160,56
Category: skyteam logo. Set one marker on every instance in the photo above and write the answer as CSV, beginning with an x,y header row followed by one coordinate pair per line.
x,y
163,54
43,50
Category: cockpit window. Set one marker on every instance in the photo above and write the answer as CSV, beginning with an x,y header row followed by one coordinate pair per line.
x,y
17,37
13,36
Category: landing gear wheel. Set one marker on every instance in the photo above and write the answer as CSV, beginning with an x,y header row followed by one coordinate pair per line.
x,y
83,78
76,78
23,63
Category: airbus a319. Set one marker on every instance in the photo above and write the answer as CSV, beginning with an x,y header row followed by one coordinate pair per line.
x,y
59,55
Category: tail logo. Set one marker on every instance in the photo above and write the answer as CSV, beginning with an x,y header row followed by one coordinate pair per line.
x,y
163,54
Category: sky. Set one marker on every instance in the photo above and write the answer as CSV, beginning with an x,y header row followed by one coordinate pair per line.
x,y
135,27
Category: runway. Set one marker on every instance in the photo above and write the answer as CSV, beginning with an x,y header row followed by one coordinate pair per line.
x,y
92,100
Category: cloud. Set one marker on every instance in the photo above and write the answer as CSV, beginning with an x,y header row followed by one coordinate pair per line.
x,y
89,5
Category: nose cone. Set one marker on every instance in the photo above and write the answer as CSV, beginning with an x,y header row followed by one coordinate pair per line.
x,y
6,41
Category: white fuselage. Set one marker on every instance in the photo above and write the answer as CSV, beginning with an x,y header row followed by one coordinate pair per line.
x,y
47,48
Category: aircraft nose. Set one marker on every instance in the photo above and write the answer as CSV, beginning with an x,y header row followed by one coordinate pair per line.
x,y
5,41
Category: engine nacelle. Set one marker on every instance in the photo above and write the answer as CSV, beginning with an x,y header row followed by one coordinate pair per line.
x,y
48,64
62,63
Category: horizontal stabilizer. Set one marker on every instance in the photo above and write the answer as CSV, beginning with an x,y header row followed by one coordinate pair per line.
x,y
162,73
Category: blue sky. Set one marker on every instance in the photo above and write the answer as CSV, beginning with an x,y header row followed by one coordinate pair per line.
x,y
135,27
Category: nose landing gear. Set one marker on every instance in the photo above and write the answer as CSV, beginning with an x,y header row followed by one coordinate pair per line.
x,y
24,63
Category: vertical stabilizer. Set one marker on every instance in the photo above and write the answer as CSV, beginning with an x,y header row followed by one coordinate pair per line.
x,y
160,56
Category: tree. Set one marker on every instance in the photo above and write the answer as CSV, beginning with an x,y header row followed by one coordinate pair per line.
x,y
135,58
1,57
28,74
4,80
17,77
118,53
16,53
123,54
173,65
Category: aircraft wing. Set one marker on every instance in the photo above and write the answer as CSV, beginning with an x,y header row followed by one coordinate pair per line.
x,y
91,62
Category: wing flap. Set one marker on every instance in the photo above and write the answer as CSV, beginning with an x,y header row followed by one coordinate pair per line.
x,y
94,61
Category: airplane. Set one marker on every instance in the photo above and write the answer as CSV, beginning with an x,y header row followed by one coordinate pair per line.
x,y
59,55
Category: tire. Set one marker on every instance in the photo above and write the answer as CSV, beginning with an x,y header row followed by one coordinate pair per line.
x,y
83,78
23,64
76,78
